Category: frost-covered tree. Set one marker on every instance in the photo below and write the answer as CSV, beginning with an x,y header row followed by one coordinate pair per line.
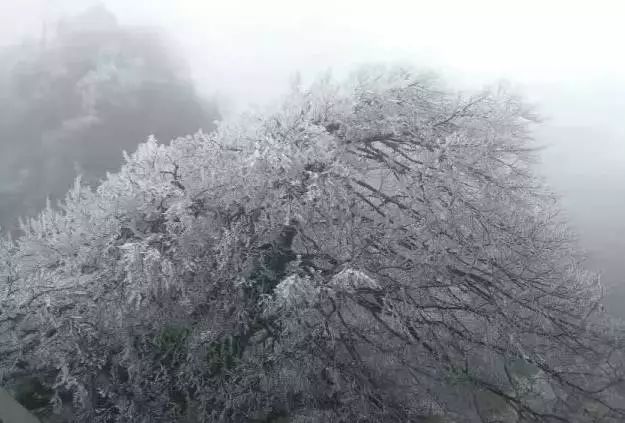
x,y
373,251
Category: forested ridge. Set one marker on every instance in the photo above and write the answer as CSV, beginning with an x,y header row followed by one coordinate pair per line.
x,y
72,99
376,250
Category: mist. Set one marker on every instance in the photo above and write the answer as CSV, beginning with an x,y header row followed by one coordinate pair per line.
x,y
561,55
78,95
143,240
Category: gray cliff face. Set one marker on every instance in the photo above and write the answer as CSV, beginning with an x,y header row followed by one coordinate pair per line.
x,y
12,411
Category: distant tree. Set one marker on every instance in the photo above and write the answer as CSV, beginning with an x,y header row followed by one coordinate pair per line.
x,y
74,102
374,251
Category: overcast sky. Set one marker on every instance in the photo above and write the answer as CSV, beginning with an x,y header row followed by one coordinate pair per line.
x,y
234,44
565,55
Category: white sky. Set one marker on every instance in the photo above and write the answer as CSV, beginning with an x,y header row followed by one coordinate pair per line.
x,y
247,48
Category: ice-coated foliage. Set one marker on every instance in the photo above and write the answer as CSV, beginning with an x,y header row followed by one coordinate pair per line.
x,y
372,251
296,291
350,280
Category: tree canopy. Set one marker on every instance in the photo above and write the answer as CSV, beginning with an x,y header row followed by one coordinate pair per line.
x,y
376,250
73,100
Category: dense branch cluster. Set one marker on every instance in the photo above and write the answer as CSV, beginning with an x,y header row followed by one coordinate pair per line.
x,y
373,251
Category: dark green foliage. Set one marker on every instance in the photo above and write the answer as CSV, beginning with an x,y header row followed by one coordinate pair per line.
x,y
171,343
224,354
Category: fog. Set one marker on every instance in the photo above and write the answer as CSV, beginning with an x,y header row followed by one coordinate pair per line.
x,y
564,56
271,271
